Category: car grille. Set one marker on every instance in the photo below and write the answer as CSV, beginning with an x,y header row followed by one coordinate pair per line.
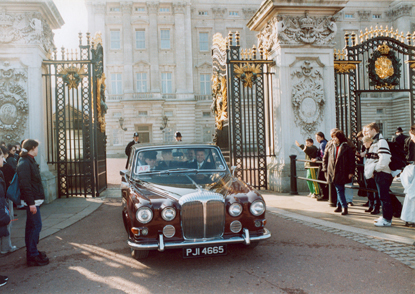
x,y
202,215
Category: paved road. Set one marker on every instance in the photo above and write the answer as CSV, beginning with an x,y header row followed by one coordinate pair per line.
x,y
91,256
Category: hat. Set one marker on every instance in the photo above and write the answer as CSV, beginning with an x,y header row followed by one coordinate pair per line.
x,y
177,134
399,129
136,135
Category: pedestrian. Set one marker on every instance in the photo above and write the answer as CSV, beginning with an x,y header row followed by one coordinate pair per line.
x,y
16,155
310,153
33,195
379,150
338,163
5,217
399,138
321,176
408,182
178,136
136,137
11,159
360,165
7,174
369,174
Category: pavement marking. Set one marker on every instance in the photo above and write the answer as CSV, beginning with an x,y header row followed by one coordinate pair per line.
x,y
400,248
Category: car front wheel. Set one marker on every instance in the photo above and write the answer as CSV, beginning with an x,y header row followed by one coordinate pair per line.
x,y
139,254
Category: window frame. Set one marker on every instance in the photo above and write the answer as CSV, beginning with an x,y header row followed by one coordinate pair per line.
x,y
205,82
112,41
166,81
143,40
117,82
205,42
165,39
143,82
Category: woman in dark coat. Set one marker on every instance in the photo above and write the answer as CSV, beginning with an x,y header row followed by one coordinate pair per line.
x,y
5,218
339,165
33,195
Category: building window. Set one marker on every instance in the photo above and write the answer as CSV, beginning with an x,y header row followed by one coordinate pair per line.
x,y
140,9
115,9
169,134
380,125
379,111
205,84
376,16
117,137
168,113
115,39
203,13
165,39
140,39
143,113
166,83
206,114
233,13
164,9
116,83
204,41
349,15
144,131
141,79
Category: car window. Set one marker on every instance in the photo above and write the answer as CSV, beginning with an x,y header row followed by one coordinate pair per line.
x,y
178,159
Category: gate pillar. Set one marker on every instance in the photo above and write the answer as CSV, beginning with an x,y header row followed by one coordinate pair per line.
x,y
300,41
26,39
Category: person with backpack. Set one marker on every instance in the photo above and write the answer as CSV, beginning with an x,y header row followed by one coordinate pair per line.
x,y
380,152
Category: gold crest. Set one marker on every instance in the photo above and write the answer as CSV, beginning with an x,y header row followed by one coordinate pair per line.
x,y
384,67
247,73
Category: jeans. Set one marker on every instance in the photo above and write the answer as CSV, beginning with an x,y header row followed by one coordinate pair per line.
x,y
373,198
383,181
32,231
341,197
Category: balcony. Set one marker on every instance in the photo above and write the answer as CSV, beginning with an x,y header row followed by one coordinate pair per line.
x,y
114,98
202,97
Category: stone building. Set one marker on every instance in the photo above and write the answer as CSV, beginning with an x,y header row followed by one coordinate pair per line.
x,y
158,65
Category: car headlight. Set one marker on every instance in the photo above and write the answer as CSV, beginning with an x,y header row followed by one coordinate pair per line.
x,y
168,214
235,209
144,215
257,207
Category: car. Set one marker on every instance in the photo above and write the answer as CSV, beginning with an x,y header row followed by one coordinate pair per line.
x,y
185,196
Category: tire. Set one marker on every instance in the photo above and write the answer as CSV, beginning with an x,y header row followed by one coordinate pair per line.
x,y
139,254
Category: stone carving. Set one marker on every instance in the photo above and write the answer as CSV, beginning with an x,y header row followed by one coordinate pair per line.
x,y
248,12
179,8
13,103
219,105
401,10
364,15
218,12
30,27
152,7
296,30
126,8
307,98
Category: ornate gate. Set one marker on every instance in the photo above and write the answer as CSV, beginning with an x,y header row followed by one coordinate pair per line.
x,y
379,60
241,86
75,96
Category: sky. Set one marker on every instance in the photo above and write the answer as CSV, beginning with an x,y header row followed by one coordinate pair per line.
x,y
74,15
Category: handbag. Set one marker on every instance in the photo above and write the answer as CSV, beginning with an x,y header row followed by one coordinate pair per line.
x,y
13,192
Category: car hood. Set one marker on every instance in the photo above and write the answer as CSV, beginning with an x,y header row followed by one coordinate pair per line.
x,y
224,186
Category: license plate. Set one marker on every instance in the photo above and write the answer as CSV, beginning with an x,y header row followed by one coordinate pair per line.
x,y
204,251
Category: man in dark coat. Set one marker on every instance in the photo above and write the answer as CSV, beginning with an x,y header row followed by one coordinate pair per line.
x,y
201,162
136,136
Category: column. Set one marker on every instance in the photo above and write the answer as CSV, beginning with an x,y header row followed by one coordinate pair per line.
x,y
152,9
189,53
180,47
128,74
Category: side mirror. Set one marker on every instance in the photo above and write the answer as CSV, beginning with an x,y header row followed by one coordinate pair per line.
x,y
123,172
233,169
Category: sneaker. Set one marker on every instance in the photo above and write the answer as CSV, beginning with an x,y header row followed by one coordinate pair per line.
x,y
313,195
12,249
3,280
37,261
383,223
378,219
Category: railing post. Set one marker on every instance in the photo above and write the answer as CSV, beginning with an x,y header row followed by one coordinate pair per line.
x,y
293,174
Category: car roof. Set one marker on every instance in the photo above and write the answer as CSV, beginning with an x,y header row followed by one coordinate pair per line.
x,y
170,145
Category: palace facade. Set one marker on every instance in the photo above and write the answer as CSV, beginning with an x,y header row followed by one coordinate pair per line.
x,y
158,63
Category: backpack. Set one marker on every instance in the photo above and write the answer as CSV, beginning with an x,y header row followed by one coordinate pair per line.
x,y
397,158
13,191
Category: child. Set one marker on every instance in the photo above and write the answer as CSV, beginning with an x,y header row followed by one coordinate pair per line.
x,y
310,152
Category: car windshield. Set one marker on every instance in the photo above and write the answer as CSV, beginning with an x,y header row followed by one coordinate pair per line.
x,y
177,159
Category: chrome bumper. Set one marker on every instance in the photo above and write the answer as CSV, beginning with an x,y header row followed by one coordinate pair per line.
x,y
161,245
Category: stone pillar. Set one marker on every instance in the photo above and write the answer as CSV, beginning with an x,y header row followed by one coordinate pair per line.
x,y
301,42
189,53
128,73
180,47
26,39
152,9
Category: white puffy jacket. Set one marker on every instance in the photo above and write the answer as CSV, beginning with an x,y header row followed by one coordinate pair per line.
x,y
381,148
